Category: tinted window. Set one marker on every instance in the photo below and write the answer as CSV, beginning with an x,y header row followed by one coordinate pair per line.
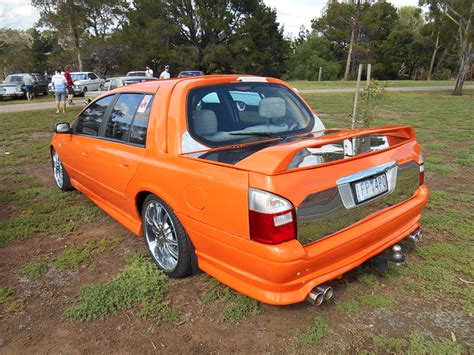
x,y
220,115
140,122
92,76
121,116
90,120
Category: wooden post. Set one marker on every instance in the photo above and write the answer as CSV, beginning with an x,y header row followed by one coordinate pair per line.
x,y
320,73
369,68
356,98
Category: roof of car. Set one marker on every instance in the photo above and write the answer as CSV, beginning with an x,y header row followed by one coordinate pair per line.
x,y
82,72
151,86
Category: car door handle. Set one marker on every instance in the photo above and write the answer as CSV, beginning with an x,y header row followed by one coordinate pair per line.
x,y
124,165
86,154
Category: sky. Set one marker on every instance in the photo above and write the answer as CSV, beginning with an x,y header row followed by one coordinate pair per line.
x,y
291,14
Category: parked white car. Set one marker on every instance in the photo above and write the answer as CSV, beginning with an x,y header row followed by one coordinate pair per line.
x,y
84,81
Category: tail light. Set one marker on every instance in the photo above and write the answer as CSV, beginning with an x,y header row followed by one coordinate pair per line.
x,y
272,218
421,163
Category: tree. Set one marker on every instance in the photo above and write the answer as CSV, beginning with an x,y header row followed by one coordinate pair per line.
x,y
72,19
260,47
354,26
68,18
461,13
218,36
309,56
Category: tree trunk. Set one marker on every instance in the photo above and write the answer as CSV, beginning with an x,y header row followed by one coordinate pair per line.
x,y
465,53
464,69
355,20
433,57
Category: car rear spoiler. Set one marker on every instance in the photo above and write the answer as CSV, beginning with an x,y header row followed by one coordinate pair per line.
x,y
281,158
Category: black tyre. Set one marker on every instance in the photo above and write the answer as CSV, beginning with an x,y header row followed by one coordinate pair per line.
x,y
165,238
84,91
61,178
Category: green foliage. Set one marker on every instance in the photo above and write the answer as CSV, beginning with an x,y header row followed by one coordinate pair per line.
x,y
209,296
416,344
368,279
241,308
139,283
377,301
35,268
5,294
309,56
74,257
370,99
351,306
38,209
313,333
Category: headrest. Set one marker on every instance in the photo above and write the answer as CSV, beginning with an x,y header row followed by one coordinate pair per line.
x,y
272,107
205,122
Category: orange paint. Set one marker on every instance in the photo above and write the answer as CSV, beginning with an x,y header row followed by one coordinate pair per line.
x,y
211,199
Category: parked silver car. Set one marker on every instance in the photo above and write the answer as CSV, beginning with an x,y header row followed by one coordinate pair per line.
x,y
116,82
84,81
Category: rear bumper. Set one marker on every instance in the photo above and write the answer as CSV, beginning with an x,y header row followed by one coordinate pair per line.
x,y
286,273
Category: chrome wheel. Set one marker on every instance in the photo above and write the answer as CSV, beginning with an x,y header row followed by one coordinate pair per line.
x,y
161,236
58,172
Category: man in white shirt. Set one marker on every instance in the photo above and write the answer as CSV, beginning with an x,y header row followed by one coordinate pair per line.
x,y
165,74
148,71
59,85
28,80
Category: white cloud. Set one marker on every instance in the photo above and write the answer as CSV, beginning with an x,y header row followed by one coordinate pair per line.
x,y
19,14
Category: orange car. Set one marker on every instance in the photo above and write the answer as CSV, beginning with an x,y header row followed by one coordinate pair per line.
x,y
235,175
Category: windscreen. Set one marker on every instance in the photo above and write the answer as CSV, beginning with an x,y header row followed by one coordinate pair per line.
x,y
222,115
76,77
14,79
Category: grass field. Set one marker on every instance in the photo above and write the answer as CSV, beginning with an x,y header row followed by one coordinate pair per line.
x,y
73,279
304,85
39,98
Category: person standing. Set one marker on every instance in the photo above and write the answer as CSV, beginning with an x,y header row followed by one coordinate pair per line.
x,y
69,85
28,80
148,71
165,74
59,85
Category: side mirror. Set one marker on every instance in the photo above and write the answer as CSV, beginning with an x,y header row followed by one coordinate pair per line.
x,y
62,127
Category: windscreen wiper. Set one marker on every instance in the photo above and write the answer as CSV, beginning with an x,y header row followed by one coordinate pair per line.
x,y
258,134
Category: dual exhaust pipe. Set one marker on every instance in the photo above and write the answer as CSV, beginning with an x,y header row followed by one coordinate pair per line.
x,y
320,294
324,292
416,236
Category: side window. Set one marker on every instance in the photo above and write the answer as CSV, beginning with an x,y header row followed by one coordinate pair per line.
x,y
140,122
211,98
92,76
121,116
113,84
247,103
90,120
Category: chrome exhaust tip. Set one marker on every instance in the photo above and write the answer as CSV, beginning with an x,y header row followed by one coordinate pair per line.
x,y
315,297
326,290
416,236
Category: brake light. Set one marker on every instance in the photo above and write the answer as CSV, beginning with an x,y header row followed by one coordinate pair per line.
x,y
421,163
272,218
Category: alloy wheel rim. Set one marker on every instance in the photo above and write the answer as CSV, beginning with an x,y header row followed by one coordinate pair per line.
x,y
161,237
57,170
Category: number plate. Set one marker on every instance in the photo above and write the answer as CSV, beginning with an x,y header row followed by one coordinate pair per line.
x,y
369,188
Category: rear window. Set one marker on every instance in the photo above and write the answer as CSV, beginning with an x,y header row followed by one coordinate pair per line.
x,y
227,114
